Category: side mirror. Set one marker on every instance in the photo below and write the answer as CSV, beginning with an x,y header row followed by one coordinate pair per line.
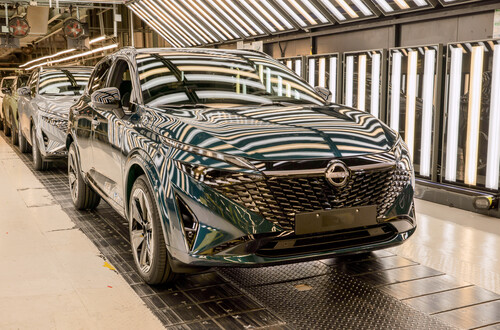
x,y
6,90
106,98
24,91
325,93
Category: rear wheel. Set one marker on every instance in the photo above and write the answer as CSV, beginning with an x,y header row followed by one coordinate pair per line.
x,y
23,143
146,236
14,137
83,196
38,163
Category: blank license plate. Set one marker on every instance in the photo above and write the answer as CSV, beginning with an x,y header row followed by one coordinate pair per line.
x,y
329,220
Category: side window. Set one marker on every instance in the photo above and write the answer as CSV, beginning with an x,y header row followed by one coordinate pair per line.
x,y
121,79
99,76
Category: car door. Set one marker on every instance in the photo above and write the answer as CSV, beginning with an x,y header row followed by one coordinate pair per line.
x,y
108,133
83,113
24,105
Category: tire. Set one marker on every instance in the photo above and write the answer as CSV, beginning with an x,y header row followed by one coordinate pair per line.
x,y
23,143
1,124
38,162
14,136
83,196
6,128
151,260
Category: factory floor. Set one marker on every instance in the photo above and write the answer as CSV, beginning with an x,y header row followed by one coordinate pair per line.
x,y
65,269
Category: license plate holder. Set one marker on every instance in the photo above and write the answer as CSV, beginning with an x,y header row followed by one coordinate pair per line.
x,y
336,219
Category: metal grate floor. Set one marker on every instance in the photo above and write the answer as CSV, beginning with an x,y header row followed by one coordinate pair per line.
x,y
371,291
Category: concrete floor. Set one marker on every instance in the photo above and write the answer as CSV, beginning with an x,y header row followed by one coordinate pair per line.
x,y
463,244
52,276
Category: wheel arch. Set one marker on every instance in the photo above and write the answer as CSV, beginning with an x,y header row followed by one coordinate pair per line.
x,y
140,163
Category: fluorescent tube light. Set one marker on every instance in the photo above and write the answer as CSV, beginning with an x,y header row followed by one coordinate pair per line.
x,y
455,82
375,86
101,38
315,11
225,10
333,10
411,98
364,9
277,14
312,71
304,13
427,112
219,20
385,6
473,120
402,4
265,21
291,13
361,82
333,78
47,57
322,72
349,81
493,160
395,90
223,35
347,9
298,67
72,57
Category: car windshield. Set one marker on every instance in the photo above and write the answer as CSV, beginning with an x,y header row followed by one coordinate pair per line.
x,y
223,79
22,81
63,82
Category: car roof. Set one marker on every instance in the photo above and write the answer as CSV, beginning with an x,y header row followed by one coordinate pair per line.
x,y
215,51
54,68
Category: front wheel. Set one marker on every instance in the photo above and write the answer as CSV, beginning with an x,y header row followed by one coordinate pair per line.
x,y
146,236
38,163
83,196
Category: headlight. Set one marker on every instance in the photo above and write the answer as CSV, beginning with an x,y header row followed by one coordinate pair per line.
x,y
216,177
230,159
403,159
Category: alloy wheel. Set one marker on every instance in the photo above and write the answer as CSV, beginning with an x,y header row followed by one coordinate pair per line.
x,y
34,146
141,231
72,177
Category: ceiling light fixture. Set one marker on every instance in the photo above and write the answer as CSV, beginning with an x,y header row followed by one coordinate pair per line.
x,y
101,38
47,57
90,52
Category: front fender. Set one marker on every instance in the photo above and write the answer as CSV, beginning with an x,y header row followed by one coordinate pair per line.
x,y
139,158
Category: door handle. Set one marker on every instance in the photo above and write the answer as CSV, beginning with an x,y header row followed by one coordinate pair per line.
x,y
95,123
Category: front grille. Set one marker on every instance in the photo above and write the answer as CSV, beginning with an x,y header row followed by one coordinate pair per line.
x,y
329,241
278,199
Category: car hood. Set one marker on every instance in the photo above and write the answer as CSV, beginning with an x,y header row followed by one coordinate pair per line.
x,y
56,105
277,132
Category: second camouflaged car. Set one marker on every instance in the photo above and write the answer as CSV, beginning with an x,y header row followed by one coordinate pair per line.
x,y
43,108
227,158
9,107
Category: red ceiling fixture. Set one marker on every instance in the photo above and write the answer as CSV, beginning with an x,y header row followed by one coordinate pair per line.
x,y
73,29
18,27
